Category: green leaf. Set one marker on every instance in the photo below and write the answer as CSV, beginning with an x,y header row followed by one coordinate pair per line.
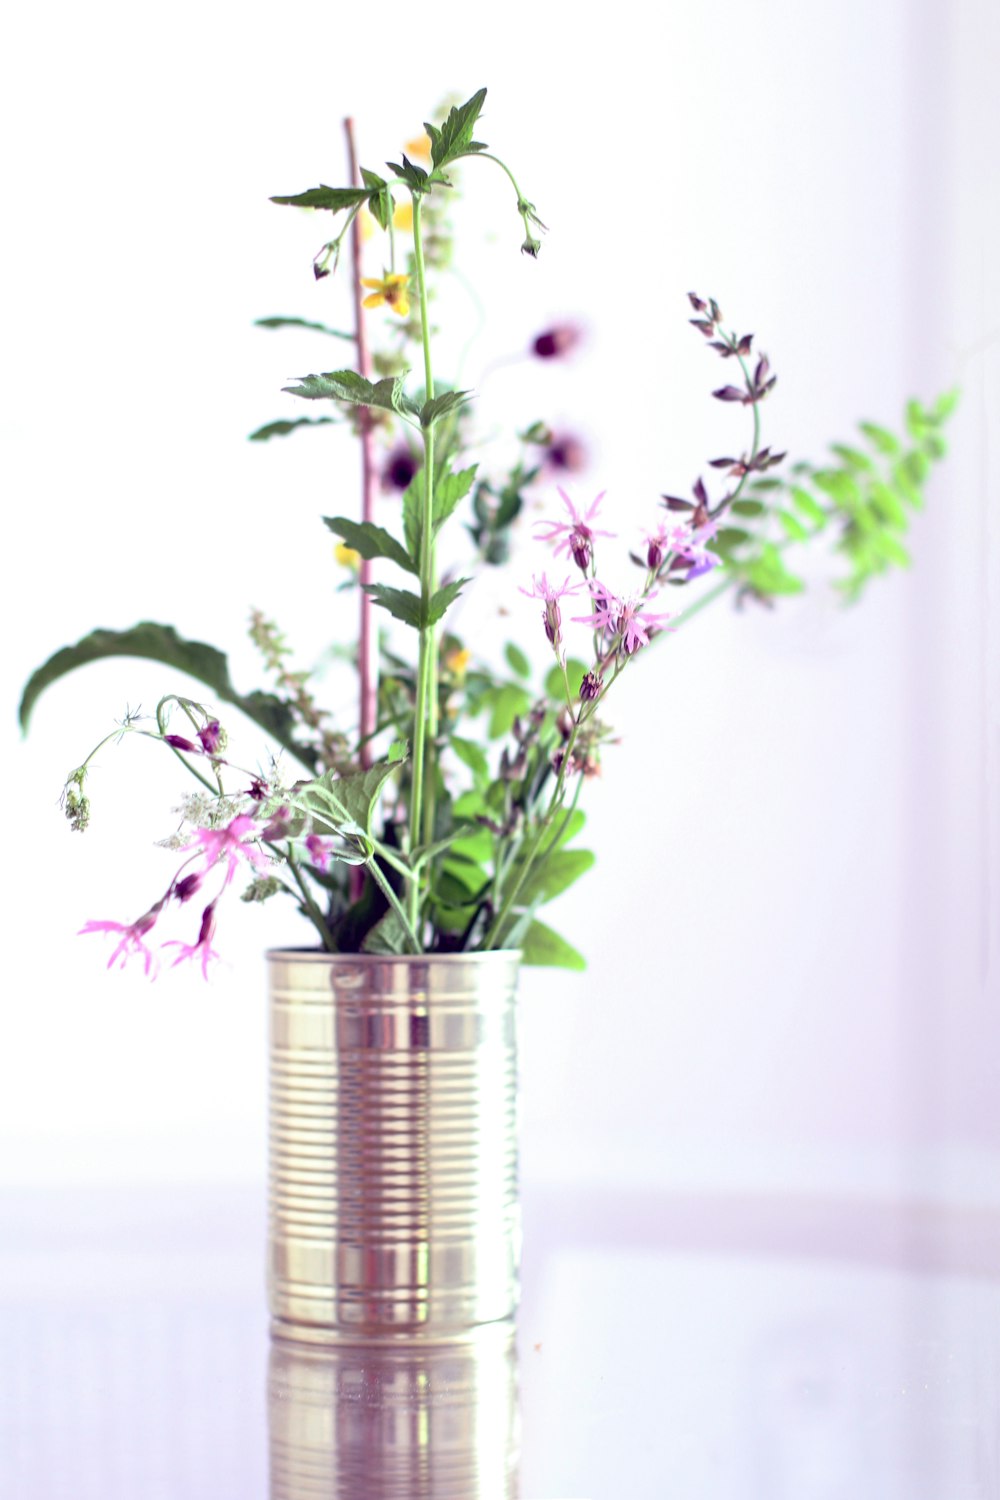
x,y
917,420
380,200
576,670
881,439
325,197
161,643
454,137
853,458
841,488
471,755
888,507
889,549
945,404
768,574
730,537
415,177
413,503
517,660
449,489
807,506
282,429
334,333
387,936
370,540
400,603
543,948
506,702
431,411
792,526
444,599
345,800
348,385
555,874
748,507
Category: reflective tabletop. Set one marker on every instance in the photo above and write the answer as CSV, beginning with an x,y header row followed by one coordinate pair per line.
x,y
731,1348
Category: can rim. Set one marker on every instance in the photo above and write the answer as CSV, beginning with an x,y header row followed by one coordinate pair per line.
x,y
317,955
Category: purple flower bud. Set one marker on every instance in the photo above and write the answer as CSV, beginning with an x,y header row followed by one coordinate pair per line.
x,y
258,789
553,618
207,930
186,888
210,736
590,687
180,743
697,303
581,550
654,554
556,341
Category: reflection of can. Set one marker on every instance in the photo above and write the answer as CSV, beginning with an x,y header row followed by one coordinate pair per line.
x,y
407,1421
393,1147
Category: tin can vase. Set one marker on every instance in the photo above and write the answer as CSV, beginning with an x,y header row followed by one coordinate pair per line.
x,y
394,1204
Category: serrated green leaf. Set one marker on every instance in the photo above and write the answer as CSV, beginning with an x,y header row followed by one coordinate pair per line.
x,y
454,138
415,177
345,800
807,506
449,401
543,948
400,603
413,503
282,429
881,439
388,935
371,540
161,643
334,199
449,489
517,660
334,333
348,385
442,601
380,199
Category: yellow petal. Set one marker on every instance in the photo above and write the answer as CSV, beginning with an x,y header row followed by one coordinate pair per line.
x,y
419,146
402,306
396,280
374,300
366,224
403,217
347,556
375,281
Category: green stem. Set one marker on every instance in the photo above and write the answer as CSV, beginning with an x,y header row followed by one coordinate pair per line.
x,y
393,900
421,823
316,916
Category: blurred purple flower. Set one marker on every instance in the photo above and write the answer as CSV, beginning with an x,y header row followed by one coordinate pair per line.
x,y
400,468
228,843
319,850
622,617
551,593
132,937
575,536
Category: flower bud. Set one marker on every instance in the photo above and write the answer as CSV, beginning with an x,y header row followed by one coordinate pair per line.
x,y
186,888
213,737
590,687
180,743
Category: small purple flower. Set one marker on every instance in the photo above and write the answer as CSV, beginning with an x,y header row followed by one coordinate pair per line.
x,y
132,933
320,850
575,536
622,617
400,468
210,736
280,825
202,949
556,341
551,616
228,843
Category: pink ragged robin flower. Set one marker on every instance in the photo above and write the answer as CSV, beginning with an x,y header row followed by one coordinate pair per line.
x,y
132,935
202,949
622,618
551,616
688,542
575,536
319,850
229,843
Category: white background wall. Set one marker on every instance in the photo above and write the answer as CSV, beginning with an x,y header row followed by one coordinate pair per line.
x,y
792,933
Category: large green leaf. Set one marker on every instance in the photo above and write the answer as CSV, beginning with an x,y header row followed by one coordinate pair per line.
x,y
554,875
161,643
325,197
282,428
454,137
543,948
371,540
345,801
348,385
334,333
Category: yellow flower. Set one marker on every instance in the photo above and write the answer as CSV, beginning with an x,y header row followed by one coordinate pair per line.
x,y
457,661
347,557
403,217
390,290
419,146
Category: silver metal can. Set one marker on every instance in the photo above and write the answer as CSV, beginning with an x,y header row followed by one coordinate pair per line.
x,y
393,1144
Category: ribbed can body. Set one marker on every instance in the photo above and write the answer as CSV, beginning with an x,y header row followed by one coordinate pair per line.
x,y
393,1144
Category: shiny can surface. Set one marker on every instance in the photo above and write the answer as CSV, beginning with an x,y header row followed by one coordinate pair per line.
x,y
393,1144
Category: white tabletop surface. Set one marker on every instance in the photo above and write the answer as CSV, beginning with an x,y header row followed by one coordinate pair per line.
x,y
670,1349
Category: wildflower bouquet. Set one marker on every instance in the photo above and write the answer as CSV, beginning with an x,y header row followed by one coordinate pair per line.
x,y
447,814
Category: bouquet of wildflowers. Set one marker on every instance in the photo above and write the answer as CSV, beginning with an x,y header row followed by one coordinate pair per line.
x,y
448,812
